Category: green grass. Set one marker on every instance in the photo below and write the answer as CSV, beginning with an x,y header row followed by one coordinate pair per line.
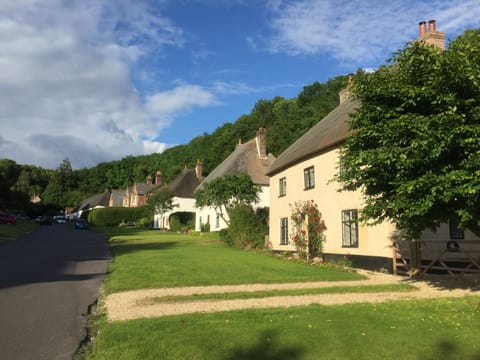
x,y
152,259
10,232
290,292
427,329
414,329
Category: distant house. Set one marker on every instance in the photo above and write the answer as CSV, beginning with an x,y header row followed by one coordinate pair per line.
x,y
249,158
137,195
116,198
93,202
182,190
305,171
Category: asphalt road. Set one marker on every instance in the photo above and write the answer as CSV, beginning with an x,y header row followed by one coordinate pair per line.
x,y
47,282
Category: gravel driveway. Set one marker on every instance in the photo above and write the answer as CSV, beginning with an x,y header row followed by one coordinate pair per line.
x,y
139,303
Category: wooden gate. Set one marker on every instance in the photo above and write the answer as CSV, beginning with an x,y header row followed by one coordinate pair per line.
x,y
453,257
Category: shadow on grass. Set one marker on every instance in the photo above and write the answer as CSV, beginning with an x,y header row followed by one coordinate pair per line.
x,y
447,350
448,282
268,347
121,248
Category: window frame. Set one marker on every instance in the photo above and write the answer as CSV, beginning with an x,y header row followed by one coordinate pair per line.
x,y
282,186
284,231
309,178
350,238
454,232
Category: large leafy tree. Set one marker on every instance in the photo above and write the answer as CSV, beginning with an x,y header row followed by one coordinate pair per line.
x,y
415,152
224,193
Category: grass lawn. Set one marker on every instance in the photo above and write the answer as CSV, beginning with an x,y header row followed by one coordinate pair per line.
x,y
428,329
10,232
152,259
420,329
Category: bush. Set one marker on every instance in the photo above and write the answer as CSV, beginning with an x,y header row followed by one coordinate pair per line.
x,y
246,230
115,216
175,224
205,227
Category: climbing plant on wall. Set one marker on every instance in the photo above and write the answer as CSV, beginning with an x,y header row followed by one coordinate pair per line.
x,y
308,229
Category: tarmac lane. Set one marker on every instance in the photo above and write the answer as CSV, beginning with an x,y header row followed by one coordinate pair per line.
x,y
48,279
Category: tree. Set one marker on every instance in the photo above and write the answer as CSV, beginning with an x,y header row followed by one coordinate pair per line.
x,y
415,148
224,193
161,201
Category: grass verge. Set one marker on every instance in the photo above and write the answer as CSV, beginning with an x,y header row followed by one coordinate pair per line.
x,y
152,259
10,232
290,292
421,329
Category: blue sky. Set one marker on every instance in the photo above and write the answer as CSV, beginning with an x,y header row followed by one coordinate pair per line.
x,y
96,80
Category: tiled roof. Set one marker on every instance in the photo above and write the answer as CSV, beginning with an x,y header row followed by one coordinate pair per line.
x,y
143,188
331,131
117,197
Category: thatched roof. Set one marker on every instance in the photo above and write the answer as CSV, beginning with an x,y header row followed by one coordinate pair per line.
x,y
331,131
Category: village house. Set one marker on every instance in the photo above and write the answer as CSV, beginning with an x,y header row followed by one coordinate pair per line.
x,y
137,195
305,172
249,158
182,190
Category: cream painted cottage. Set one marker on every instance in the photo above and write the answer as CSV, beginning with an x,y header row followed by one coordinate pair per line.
x,y
305,171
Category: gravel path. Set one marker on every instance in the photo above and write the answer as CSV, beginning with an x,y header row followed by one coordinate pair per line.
x,y
139,303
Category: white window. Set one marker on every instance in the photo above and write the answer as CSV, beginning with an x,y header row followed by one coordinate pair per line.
x,y
282,186
284,231
350,228
309,177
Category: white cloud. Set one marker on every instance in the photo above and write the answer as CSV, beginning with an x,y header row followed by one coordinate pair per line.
x,y
181,98
66,85
358,32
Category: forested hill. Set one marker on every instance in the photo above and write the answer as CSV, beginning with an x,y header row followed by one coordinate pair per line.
x,y
285,120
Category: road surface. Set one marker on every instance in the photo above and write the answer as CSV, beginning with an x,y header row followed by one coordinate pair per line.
x,y
48,279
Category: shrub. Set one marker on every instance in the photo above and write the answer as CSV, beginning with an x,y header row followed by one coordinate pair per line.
x,y
246,228
175,224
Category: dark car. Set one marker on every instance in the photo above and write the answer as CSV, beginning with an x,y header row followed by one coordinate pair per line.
x,y
7,219
80,223
44,220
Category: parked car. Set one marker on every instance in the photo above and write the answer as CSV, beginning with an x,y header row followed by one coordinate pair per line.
x,y
81,223
44,220
6,218
60,219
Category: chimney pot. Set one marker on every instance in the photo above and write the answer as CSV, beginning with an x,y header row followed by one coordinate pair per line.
x,y
262,143
199,169
431,26
423,27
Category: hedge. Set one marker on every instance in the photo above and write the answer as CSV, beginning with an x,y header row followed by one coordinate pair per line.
x,y
113,216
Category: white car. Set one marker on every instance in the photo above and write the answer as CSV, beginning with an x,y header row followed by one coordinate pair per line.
x,y
60,219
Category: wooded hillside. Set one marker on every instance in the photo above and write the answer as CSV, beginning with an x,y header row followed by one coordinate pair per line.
x,y
285,120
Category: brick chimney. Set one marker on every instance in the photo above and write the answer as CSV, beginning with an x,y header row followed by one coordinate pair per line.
x,y
199,169
158,178
149,180
261,140
432,36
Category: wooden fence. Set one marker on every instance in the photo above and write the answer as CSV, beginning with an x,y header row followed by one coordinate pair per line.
x,y
453,257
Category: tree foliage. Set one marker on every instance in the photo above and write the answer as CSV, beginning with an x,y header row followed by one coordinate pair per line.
x,y
161,201
285,120
224,193
415,152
